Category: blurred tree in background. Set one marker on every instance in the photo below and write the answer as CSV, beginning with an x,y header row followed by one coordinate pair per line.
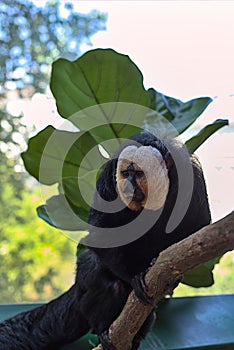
x,y
37,262
31,38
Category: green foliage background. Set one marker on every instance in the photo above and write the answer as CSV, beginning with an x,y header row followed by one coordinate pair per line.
x,y
36,261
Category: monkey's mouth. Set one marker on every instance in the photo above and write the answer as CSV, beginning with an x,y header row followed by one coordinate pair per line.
x,y
138,196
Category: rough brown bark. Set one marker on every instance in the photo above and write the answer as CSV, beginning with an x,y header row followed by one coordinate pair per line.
x,y
204,245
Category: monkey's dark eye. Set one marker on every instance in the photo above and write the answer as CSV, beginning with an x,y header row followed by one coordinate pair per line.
x,y
139,174
125,173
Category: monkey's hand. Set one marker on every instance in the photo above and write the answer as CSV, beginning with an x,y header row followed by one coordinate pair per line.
x,y
105,341
141,290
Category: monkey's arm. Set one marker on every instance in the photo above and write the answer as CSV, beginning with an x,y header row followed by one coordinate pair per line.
x,y
93,302
103,294
46,327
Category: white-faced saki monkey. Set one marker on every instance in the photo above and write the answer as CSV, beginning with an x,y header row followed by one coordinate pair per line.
x,y
149,195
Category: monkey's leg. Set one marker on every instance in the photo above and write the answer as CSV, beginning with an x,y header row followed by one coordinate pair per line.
x,y
47,327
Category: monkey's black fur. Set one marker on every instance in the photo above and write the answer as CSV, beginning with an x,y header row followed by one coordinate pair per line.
x,y
105,276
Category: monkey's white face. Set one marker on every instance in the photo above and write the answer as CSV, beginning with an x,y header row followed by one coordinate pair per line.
x,y
142,178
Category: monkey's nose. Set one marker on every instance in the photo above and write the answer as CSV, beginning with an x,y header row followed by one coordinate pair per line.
x,y
128,190
133,193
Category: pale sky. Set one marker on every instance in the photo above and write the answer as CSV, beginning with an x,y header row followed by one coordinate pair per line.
x,y
184,49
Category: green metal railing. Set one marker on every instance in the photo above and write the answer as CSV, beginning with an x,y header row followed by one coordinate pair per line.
x,y
196,323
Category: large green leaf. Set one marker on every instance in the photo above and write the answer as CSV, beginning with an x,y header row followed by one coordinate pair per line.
x,y
124,120
79,191
180,114
32,156
99,76
53,154
73,161
58,212
201,276
197,140
102,93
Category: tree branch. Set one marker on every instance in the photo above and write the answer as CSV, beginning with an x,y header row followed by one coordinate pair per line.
x,y
204,245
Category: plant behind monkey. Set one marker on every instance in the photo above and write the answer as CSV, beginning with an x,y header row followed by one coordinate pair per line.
x,y
101,273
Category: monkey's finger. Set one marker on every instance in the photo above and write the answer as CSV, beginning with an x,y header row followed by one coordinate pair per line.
x,y
141,290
